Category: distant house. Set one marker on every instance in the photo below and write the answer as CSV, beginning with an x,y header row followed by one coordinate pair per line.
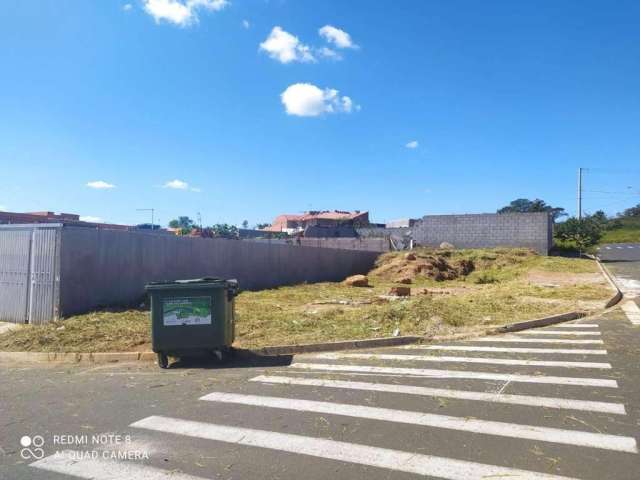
x,y
51,217
291,224
402,223
69,219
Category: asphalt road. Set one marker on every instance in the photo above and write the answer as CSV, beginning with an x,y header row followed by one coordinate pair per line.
x,y
560,402
619,252
623,260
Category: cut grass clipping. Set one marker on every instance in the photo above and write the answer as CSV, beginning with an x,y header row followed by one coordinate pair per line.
x,y
452,291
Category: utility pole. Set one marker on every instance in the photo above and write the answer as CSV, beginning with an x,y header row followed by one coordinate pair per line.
x,y
153,227
580,193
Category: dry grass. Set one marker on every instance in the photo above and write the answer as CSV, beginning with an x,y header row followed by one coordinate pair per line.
x,y
498,291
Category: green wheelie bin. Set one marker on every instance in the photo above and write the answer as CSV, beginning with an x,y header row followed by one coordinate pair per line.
x,y
192,317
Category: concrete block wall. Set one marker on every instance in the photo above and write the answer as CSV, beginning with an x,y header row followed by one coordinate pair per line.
x,y
363,244
101,268
530,230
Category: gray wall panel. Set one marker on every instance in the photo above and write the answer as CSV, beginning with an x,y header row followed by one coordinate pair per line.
x,y
108,268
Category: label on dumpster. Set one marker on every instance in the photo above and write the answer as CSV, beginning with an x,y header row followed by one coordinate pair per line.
x,y
186,311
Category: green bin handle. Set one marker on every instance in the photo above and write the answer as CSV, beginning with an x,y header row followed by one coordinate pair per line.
x,y
233,288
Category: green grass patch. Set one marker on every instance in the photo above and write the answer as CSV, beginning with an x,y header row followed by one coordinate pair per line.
x,y
624,230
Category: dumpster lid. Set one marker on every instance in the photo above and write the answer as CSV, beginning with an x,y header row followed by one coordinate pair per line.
x,y
188,281
193,282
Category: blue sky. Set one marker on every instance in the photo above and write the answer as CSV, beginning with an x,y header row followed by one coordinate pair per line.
x,y
504,99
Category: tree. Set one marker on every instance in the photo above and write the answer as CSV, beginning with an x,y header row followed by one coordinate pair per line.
x,y
524,205
221,230
632,212
260,226
584,233
185,224
600,218
245,224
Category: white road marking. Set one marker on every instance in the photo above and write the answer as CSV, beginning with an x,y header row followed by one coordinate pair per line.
x,y
421,372
494,361
465,424
464,348
410,462
629,246
557,332
608,248
528,400
73,463
535,340
632,312
577,325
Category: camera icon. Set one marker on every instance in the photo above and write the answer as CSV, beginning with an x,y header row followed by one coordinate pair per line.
x,y
32,447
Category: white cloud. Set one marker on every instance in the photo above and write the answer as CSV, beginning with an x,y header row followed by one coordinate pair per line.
x,y
246,24
337,37
177,185
91,219
3,208
285,47
100,185
181,185
412,144
327,52
307,100
181,12
127,7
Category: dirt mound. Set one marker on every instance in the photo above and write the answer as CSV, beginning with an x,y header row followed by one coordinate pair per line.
x,y
357,281
406,268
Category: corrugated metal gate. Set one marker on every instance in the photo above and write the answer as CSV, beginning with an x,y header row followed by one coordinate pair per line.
x,y
29,273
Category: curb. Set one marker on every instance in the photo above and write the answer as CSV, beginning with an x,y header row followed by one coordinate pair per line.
x,y
619,295
331,346
77,358
540,322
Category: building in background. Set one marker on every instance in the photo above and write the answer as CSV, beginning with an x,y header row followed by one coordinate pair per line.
x,y
292,224
70,219
402,223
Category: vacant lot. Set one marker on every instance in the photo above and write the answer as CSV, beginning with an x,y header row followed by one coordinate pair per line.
x,y
451,291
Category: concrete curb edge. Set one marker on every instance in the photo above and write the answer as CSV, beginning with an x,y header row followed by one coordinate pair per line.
x,y
619,295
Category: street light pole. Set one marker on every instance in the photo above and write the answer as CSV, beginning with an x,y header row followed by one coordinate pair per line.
x,y
580,193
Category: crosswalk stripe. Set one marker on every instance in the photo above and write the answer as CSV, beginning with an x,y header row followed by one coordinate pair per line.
x,y
410,462
464,348
632,312
465,424
557,332
493,361
536,340
528,400
577,325
68,462
421,372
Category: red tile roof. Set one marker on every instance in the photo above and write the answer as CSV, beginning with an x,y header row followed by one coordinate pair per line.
x,y
280,222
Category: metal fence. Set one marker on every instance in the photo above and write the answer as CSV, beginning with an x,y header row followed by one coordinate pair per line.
x,y
29,273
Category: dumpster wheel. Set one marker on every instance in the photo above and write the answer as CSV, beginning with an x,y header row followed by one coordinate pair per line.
x,y
163,360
